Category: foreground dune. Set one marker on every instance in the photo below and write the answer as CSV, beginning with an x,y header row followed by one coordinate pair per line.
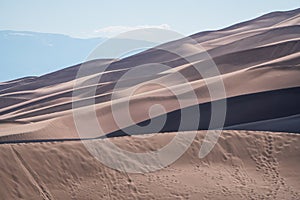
x,y
243,165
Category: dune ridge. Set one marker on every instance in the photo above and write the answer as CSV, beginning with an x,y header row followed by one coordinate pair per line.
x,y
253,57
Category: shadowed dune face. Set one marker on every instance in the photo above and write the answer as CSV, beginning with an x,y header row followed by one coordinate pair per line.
x,y
258,62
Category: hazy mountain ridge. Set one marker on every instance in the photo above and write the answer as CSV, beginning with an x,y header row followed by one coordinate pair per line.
x,y
28,53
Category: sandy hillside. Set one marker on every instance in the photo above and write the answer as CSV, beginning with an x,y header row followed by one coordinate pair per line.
x,y
256,157
243,165
258,61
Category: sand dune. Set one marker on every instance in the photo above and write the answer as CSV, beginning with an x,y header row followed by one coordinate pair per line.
x,y
243,165
258,60
261,55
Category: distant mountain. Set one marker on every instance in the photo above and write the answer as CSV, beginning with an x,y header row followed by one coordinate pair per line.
x,y
31,53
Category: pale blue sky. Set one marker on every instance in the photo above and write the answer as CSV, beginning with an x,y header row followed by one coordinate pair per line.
x,y
92,18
